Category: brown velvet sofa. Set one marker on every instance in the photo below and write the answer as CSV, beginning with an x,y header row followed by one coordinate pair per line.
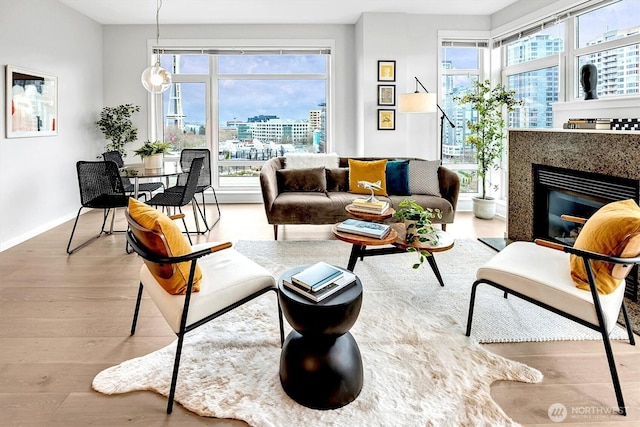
x,y
283,206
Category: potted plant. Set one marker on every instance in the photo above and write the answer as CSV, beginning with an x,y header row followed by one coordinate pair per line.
x,y
488,136
117,126
152,153
418,226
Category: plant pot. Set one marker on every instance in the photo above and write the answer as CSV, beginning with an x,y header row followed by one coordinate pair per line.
x,y
154,161
411,230
484,208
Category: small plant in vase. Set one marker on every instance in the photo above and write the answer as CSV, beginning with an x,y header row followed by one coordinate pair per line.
x,y
418,226
152,153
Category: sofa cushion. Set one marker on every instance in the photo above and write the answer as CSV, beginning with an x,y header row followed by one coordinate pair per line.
x,y
311,160
612,231
371,171
337,179
172,277
305,180
397,175
423,177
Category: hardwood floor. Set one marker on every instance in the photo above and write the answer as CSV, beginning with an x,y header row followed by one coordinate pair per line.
x,y
65,318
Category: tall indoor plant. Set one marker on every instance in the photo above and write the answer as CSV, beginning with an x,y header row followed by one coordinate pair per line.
x,y
488,134
117,126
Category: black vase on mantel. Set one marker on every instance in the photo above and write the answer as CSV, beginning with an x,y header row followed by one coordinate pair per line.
x,y
589,81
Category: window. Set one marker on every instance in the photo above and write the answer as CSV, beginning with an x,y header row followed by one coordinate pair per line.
x,y
461,63
543,61
246,105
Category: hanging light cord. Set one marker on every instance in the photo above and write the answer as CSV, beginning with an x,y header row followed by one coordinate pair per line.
x,y
159,5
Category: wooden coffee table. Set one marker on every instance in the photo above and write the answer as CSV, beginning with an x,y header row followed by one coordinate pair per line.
x,y
396,238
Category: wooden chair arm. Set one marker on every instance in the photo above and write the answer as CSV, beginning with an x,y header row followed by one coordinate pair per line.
x,y
548,244
576,219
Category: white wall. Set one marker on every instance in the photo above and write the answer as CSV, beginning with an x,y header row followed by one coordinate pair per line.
x,y
38,183
412,41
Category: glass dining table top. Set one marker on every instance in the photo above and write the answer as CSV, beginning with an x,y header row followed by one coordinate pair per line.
x,y
137,170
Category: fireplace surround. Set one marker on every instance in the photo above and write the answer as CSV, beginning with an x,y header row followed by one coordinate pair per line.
x,y
613,154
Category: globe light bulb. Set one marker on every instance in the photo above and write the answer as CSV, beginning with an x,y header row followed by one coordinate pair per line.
x,y
156,79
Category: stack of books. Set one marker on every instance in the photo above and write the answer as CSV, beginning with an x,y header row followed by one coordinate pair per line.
x,y
363,205
603,124
319,281
364,228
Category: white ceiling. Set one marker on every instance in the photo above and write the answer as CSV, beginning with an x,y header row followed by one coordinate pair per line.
x,y
270,11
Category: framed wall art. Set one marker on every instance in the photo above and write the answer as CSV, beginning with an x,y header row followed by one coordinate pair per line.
x,y
31,103
386,94
386,71
386,119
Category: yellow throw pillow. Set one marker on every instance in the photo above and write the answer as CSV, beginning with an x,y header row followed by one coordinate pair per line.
x,y
176,245
372,171
612,231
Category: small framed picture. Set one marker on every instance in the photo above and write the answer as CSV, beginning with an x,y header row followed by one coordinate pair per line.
x,y
386,119
386,94
386,71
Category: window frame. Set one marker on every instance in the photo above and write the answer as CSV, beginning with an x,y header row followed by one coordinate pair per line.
x,y
156,114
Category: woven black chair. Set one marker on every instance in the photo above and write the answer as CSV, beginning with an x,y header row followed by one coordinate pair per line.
x,y
177,197
100,188
145,187
204,182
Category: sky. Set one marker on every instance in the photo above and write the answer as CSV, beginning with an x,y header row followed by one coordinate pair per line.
x,y
242,96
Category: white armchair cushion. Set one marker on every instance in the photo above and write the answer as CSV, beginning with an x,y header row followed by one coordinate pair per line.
x,y
227,277
544,274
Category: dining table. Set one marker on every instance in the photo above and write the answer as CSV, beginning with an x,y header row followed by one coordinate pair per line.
x,y
136,171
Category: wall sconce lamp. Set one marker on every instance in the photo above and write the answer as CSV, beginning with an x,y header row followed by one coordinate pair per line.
x,y
156,79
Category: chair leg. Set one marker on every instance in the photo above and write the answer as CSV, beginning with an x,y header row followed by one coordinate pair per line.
x,y
471,306
174,376
73,231
632,340
186,230
137,309
280,319
275,231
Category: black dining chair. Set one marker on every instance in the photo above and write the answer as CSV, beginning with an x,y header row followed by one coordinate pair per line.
x,y
204,182
179,196
100,188
145,187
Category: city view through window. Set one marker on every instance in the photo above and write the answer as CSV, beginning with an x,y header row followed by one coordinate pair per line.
x,y
264,105
606,37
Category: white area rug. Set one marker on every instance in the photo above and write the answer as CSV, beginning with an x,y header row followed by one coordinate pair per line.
x,y
495,319
420,369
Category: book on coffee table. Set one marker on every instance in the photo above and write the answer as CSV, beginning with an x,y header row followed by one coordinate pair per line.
x,y
364,228
332,288
316,276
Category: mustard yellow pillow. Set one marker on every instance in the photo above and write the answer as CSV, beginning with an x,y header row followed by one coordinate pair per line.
x,y
174,277
613,230
372,171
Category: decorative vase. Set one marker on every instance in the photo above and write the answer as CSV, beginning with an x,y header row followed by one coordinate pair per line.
x,y
154,161
484,208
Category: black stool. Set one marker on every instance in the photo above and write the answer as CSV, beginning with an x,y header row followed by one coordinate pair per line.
x,y
320,364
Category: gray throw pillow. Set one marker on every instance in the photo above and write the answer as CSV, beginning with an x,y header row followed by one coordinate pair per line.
x,y
311,179
423,177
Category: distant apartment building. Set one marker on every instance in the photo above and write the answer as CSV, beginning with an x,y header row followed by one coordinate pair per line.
x,y
275,130
616,65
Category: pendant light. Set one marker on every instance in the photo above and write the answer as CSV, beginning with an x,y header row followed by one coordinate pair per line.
x,y
156,79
